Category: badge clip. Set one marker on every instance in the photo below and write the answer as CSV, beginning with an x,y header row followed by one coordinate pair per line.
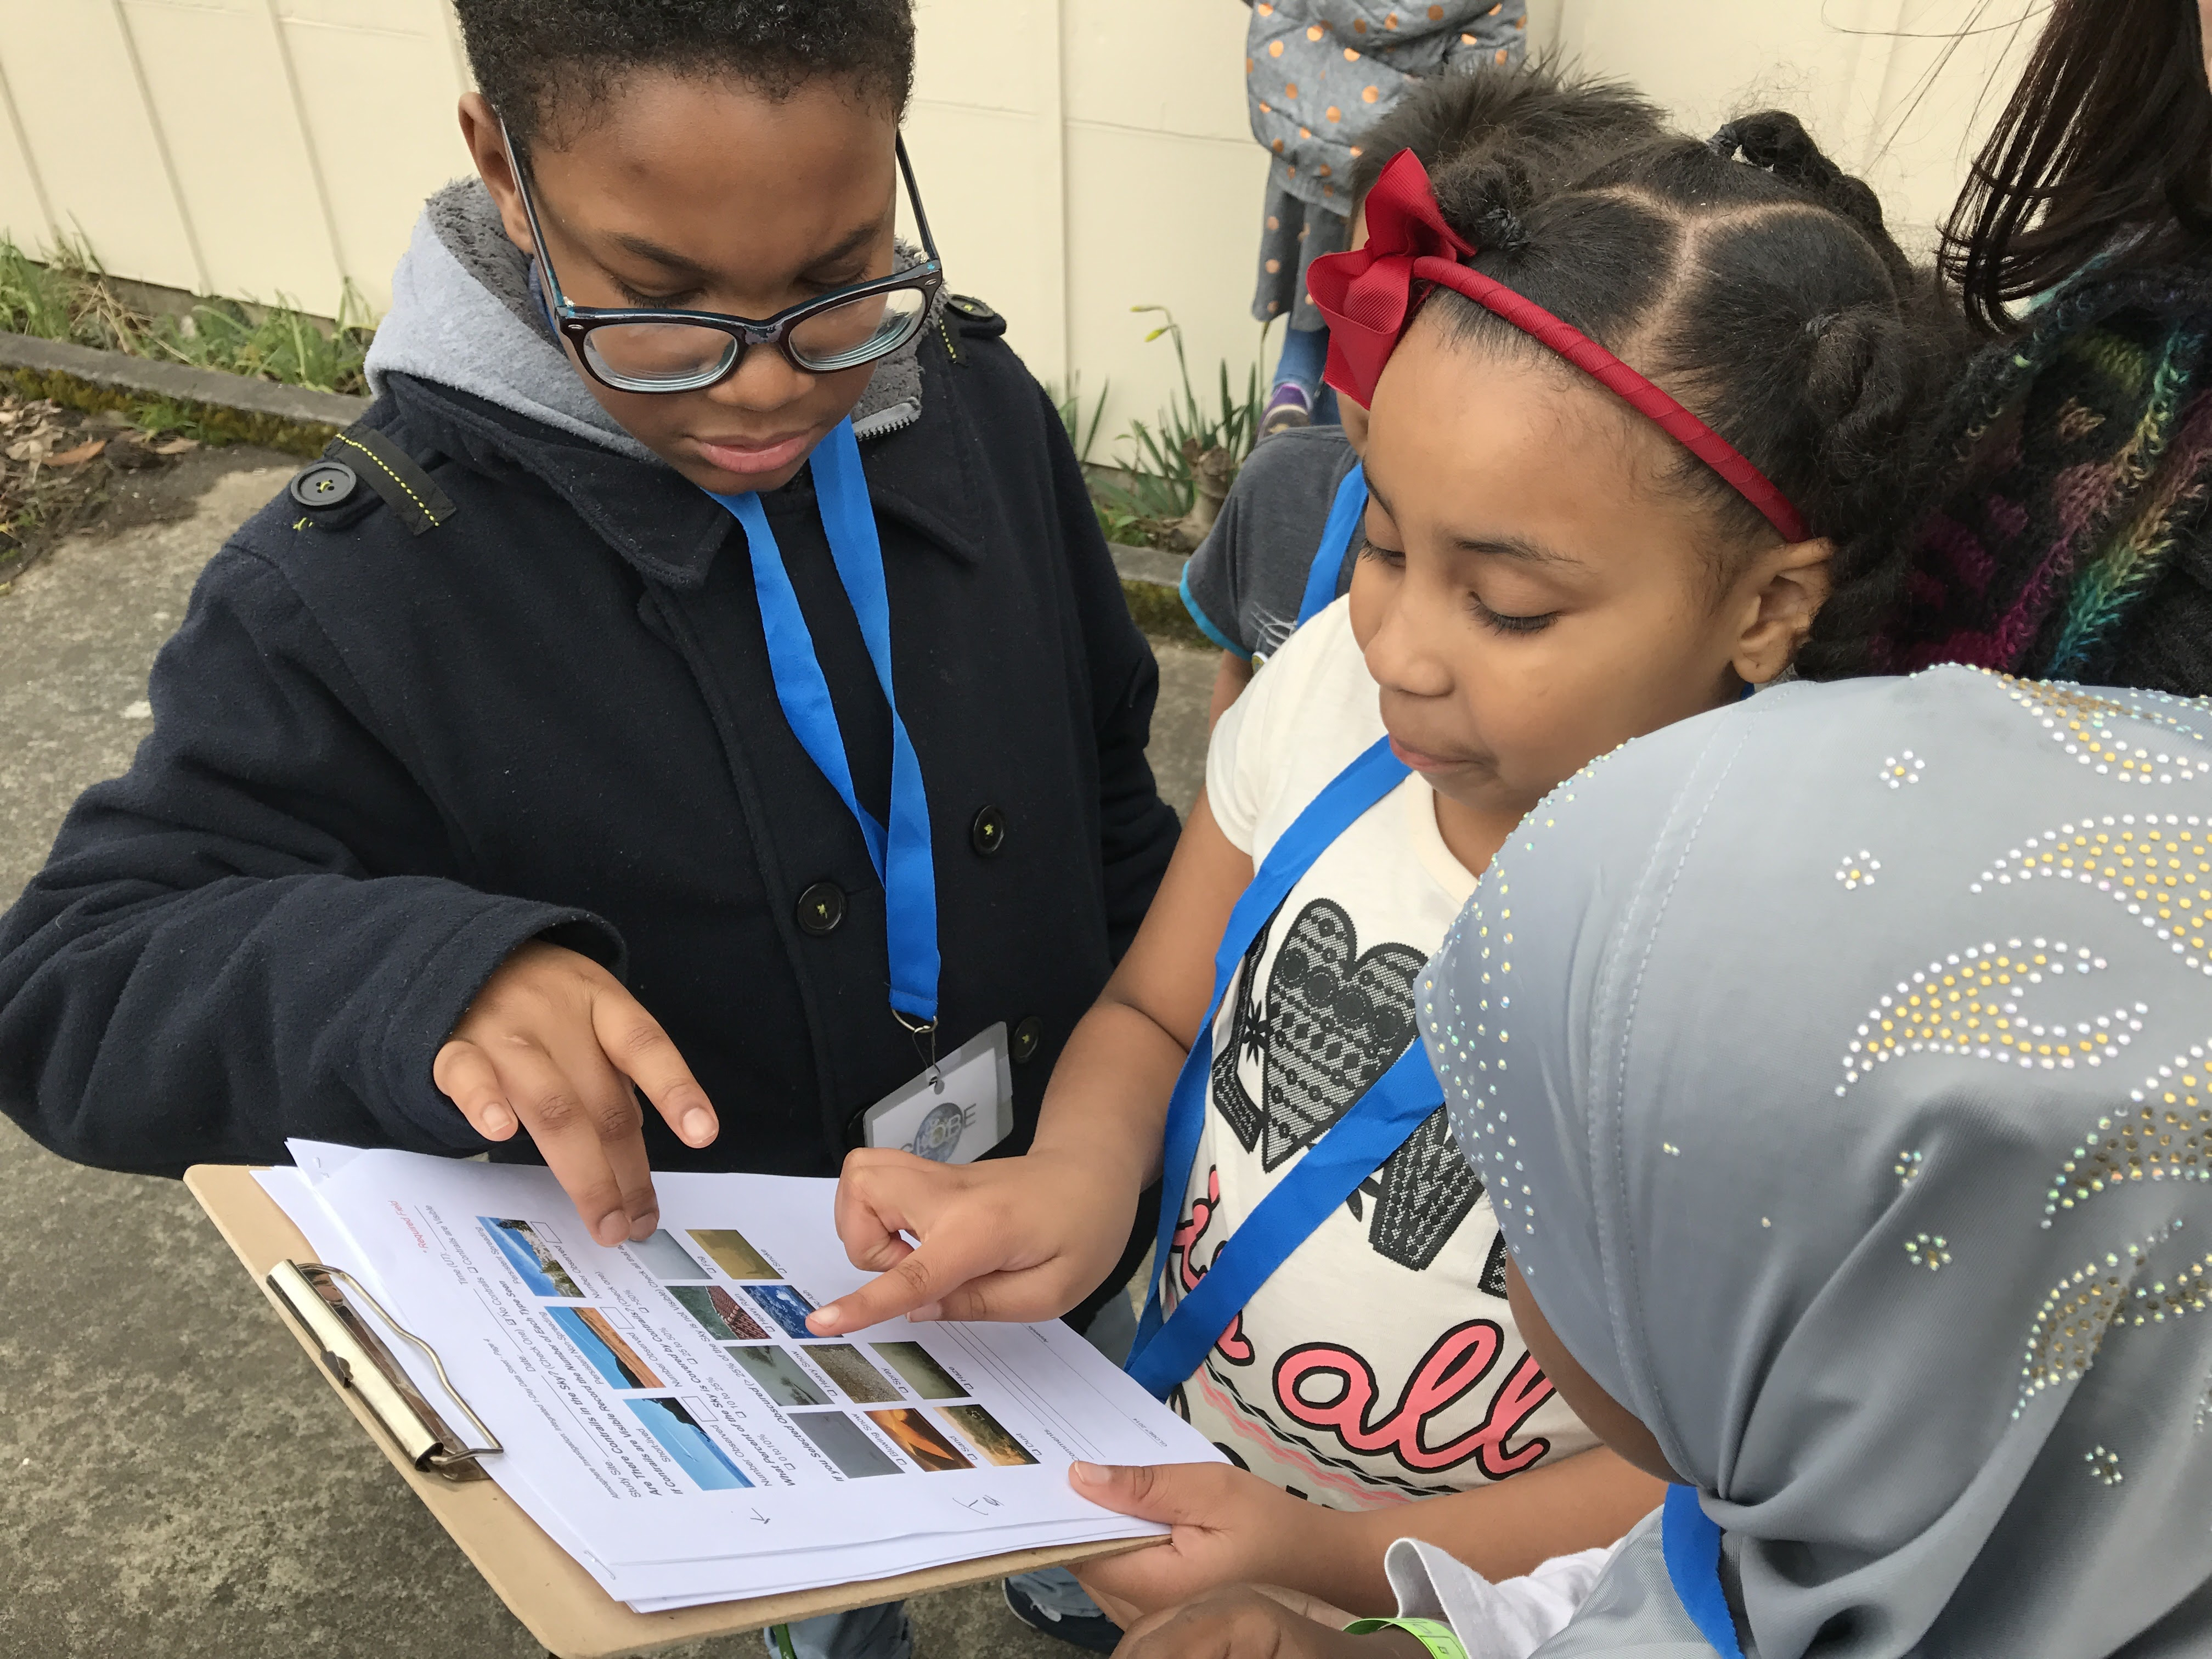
x,y
924,1033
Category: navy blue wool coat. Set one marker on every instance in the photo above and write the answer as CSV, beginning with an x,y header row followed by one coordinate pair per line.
x,y
381,760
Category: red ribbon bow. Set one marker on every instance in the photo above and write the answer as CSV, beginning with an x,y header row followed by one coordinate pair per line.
x,y
1368,296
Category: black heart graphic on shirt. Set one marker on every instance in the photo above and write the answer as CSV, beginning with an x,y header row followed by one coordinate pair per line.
x,y
1426,1190
1336,1021
1247,1040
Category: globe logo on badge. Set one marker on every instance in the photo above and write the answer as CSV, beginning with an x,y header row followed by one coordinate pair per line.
x,y
939,1136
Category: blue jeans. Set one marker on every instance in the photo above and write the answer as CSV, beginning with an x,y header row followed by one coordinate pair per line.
x,y
881,1632
1306,354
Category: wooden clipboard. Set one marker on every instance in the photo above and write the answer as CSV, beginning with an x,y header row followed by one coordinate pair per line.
x,y
555,1599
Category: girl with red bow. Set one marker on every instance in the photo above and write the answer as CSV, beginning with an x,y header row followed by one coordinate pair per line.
x,y
1625,440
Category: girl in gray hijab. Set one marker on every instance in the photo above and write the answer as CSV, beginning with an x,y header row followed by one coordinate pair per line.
x,y
1842,1057
1838,1063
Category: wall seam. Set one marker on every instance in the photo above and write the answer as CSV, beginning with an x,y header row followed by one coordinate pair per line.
x,y
161,148
313,151
30,161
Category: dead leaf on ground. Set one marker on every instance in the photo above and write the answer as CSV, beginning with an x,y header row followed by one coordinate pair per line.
x,y
83,452
26,449
175,446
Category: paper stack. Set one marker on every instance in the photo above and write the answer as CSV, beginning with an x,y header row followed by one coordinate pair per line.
x,y
666,1416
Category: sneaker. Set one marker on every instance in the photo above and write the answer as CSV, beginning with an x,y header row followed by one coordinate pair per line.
x,y
1291,405
1057,1616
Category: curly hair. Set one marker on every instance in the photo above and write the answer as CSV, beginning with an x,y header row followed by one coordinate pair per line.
x,y
548,66
1537,119
1767,296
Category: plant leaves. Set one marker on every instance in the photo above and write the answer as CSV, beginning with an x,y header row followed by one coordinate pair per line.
x,y
77,457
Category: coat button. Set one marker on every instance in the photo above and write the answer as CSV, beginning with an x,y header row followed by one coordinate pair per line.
x,y
821,908
326,483
1027,1035
989,832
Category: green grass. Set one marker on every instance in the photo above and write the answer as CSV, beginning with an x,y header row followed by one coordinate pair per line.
x,y
68,297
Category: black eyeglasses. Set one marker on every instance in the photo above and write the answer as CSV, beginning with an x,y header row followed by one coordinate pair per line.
x,y
639,348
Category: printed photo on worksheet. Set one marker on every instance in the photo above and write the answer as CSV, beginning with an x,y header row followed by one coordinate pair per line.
x,y
656,1394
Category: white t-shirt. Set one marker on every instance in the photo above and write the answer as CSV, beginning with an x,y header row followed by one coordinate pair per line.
x,y
1380,1362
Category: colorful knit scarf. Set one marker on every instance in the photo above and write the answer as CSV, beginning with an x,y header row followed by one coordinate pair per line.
x,y
2081,458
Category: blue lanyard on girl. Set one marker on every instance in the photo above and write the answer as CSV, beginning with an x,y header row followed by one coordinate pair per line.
x,y
1167,1351
1343,524
901,850
1690,1544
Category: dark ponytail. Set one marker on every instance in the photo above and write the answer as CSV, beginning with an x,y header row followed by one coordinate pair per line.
x,y
1768,295
2104,153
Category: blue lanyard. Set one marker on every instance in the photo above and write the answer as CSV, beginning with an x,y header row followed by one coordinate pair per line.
x,y
901,853
1690,1540
1344,516
1397,1103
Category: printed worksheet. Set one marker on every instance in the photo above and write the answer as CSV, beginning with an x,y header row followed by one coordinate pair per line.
x,y
668,1418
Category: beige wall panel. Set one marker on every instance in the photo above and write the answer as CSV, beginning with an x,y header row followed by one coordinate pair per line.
x,y
1544,21
379,82
984,54
22,210
1892,88
241,158
1708,63
1159,66
92,138
1939,92
1076,159
986,178
1162,220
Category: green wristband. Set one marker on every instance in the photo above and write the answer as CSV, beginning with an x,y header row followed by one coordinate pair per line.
x,y
1436,1637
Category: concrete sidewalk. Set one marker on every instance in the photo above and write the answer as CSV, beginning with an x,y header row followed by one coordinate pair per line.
x,y
174,1479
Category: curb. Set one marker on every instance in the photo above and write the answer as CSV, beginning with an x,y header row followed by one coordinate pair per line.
x,y
236,406
1151,583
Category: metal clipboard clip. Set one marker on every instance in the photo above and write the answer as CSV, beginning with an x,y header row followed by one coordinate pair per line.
x,y
357,1359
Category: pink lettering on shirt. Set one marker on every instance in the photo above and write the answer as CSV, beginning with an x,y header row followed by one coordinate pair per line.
x,y
1232,1345
1453,1366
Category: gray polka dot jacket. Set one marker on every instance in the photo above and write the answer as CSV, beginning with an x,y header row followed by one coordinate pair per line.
x,y
1319,72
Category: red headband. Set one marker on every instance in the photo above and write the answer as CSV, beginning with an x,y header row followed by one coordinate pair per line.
x,y
1367,296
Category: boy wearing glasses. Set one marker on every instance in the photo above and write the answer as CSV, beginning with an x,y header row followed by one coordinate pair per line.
x,y
699,677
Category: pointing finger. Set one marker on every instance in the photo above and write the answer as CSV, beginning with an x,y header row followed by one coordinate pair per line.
x,y
567,1131
924,1276
635,1046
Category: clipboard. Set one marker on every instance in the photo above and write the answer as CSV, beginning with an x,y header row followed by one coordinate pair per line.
x,y
556,1600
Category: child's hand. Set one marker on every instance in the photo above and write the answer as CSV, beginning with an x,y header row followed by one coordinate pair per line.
x,y
1230,1527
553,1044
1245,1621
1012,1238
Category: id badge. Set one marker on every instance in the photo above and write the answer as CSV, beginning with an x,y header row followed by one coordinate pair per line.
x,y
956,1114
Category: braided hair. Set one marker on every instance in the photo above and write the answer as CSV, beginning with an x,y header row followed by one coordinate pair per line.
x,y
1767,296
